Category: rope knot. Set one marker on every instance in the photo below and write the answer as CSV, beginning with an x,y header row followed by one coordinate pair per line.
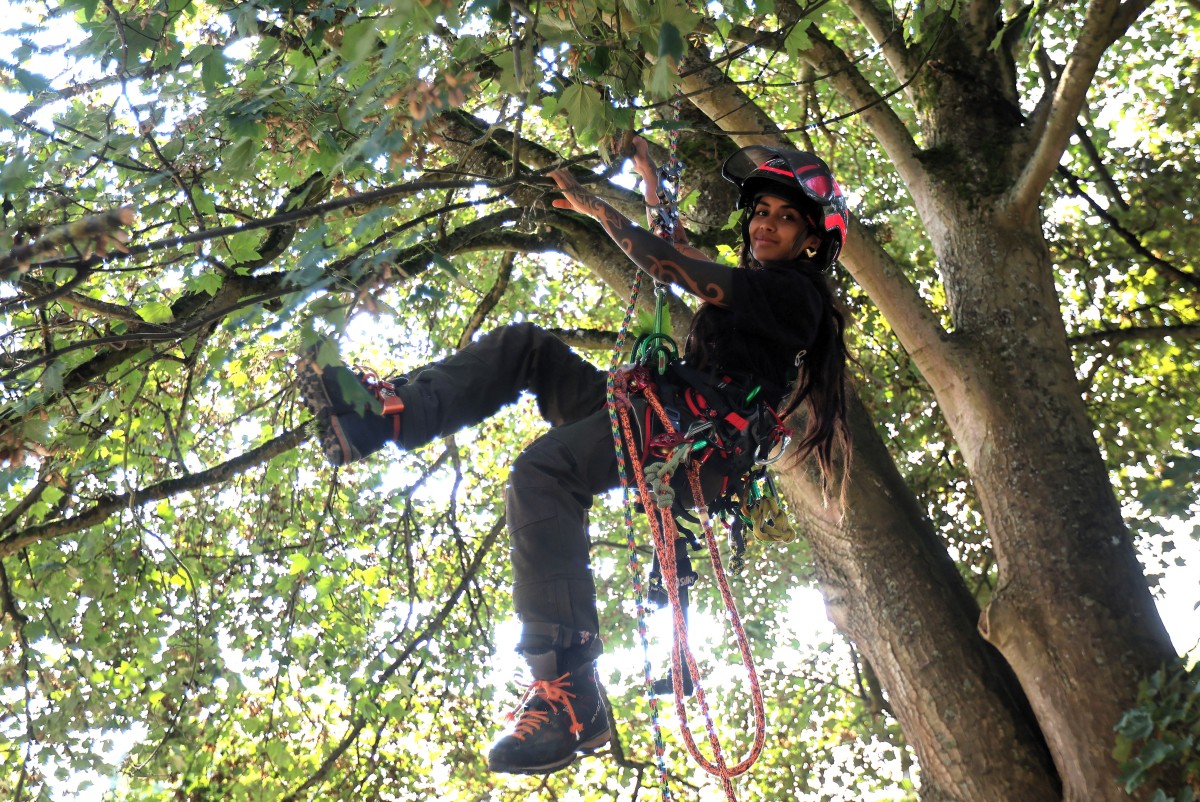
x,y
658,475
770,522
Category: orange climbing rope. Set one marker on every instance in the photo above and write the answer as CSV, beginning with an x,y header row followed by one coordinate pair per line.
x,y
636,379
622,381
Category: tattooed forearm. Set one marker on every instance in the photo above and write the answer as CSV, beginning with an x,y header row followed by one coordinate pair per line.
x,y
672,270
707,280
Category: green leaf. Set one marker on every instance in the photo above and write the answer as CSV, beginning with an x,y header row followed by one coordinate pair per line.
x,y
359,40
443,263
516,70
204,203
660,82
797,40
156,312
52,377
243,247
209,282
583,107
238,158
670,42
30,82
16,170
1136,724
214,72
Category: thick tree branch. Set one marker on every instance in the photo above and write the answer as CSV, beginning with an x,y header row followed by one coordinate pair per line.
x,y
488,150
1058,113
8,602
977,20
110,505
587,340
194,318
96,232
586,242
909,316
491,232
885,124
881,541
886,30
31,498
8,263
724,102
308,193
39,291
196,313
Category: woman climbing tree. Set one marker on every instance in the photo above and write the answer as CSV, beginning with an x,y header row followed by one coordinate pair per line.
x,y
769,325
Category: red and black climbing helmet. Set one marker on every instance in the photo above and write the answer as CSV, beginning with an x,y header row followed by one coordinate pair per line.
x,y
757,169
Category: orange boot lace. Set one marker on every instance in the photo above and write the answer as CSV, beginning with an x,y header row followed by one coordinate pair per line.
x,y
555,692
385,392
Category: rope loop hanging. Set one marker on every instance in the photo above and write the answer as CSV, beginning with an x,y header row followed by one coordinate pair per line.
x,y
636,380
640,593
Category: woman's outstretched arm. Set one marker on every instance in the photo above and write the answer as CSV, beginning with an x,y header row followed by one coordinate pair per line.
x,y
707,280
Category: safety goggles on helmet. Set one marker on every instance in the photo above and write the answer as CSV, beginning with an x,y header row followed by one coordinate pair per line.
x,y
757,169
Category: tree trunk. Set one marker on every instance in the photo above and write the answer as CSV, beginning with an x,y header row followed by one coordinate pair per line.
x,y
892,588
1072,612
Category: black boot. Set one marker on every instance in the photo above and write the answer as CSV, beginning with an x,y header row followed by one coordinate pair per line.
x,y
557,719
356,412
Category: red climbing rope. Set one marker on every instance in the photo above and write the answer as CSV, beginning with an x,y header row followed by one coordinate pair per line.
x,y
665,532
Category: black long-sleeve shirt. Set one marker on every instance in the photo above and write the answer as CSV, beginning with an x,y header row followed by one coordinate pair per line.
x,y
773,314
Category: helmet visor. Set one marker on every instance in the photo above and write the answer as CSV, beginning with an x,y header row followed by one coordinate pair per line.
x,y
790,167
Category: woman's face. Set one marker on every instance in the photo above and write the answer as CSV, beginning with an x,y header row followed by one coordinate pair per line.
x,y
778,230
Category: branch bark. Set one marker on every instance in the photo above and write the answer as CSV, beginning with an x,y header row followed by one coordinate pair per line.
x,y
1058,113
889,130
890,585
110,505
887,31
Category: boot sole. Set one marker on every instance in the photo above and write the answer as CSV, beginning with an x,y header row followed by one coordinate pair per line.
x,y
334,443
589,747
